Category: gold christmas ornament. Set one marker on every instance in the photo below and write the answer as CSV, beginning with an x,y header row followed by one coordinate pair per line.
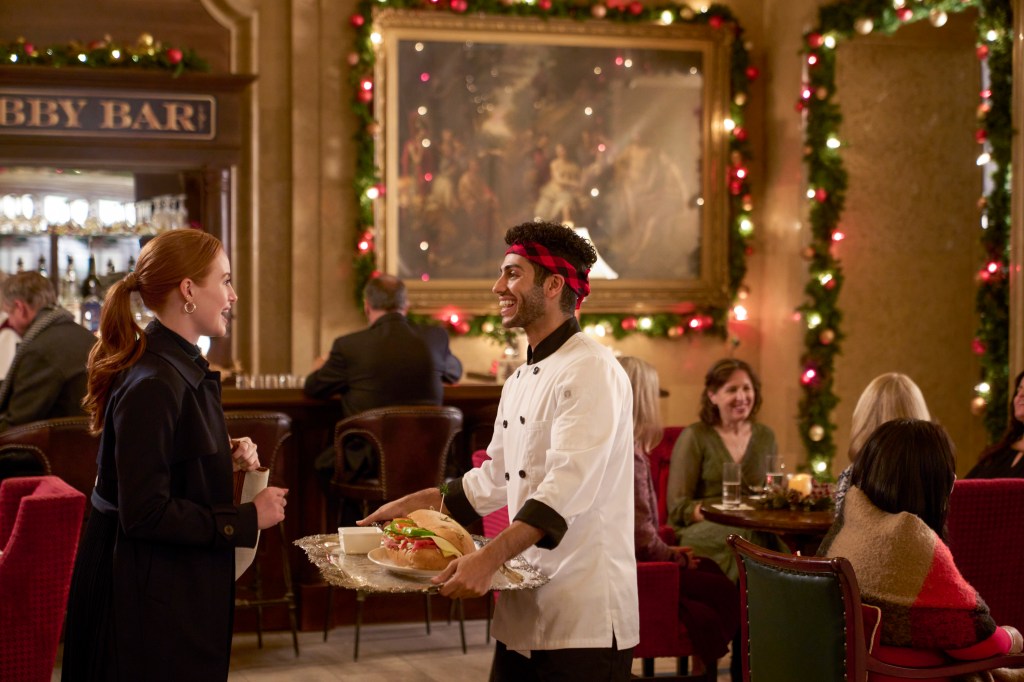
x,y
740,99
146,39
978,405
827,336
937,17
816,433
864,26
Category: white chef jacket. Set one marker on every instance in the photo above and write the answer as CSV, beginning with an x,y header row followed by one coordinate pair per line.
x,y
564,437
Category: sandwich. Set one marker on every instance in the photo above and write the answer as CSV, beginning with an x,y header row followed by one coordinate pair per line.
x,y
426,539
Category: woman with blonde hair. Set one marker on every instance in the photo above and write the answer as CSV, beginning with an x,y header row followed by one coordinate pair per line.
x,y
888,396
152,595
708,600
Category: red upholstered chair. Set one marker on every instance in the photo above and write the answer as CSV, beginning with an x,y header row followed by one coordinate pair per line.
x,y
40,521
493,523
986,521
659,458
802,618
661,633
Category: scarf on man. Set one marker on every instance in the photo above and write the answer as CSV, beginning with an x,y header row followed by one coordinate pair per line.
x,y
45,318
905,569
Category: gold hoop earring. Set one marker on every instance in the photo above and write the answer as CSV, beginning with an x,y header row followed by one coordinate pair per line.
x,y
190,307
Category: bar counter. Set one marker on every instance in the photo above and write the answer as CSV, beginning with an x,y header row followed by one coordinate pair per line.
x,y
313,431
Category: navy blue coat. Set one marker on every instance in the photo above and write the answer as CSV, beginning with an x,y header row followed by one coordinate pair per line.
x,y
165,464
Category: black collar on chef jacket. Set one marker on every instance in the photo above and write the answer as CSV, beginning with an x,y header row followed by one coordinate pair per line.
x,y
553,341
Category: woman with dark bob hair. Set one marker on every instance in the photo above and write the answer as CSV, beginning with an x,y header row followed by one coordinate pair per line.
x,y
1003,459
726,432
892,529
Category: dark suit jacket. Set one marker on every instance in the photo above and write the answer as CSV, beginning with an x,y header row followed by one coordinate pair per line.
x,y
392,362
50,378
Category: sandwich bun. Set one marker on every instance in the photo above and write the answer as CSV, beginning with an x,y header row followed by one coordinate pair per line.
x,y
433,552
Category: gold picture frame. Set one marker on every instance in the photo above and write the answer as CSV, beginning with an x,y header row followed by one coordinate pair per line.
x,y
615,129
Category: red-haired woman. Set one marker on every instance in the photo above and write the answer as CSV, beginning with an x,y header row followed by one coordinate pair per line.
x,y
152,597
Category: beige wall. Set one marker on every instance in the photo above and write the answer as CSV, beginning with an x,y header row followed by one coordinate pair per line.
x,y
909,258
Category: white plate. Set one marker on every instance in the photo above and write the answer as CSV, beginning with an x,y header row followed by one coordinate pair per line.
x,y
379,556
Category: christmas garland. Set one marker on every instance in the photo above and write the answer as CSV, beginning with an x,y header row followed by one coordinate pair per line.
x,y
146,53
827,182
368,184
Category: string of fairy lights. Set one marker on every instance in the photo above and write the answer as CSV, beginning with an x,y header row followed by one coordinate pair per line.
x,y
827,183
146,52
369,186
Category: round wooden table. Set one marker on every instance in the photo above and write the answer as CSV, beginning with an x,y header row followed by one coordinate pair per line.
x,y
802,531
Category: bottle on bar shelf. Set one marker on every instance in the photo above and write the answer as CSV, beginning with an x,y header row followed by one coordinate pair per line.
x,y
42,267
19,267
92,300
69,297
110,267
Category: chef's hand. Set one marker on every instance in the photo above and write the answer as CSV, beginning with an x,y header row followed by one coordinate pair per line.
x,y
243,454
468,576
429,498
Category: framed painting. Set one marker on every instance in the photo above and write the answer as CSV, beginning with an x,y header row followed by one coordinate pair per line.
x,y
616,131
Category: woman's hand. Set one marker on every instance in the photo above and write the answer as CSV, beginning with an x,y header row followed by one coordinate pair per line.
x,y
698,515
243,454
685,557
270,503
1016,641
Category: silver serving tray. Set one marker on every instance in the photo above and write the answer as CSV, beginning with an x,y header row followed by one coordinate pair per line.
x,y
358,572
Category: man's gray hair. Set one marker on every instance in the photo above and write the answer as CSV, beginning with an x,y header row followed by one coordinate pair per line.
x,y
387,293
31,287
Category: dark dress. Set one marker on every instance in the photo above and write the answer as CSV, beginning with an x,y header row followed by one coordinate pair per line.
x,y
999,465
152,596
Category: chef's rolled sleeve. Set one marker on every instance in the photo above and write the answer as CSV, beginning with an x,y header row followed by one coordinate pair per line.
x,y
545,519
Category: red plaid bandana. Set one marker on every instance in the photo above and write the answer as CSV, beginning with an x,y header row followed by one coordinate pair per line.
x,y
574,279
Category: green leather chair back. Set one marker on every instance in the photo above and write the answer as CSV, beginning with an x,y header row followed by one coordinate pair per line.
x,y
796,618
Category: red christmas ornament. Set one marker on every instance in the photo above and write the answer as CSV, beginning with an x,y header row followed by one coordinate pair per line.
x,y
635,8
982,51
820,195
740,134
676,332
357,20
752,73
30,49
800,106
459,6
735,187
715,22
365,96
977,346
980,135
985,94
174,55
544,5
815,40
905,14
628,323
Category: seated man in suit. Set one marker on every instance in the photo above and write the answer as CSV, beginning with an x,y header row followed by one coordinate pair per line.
x,y
391,362
47,377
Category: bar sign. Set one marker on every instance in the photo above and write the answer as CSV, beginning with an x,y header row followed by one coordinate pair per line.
x,y
62,113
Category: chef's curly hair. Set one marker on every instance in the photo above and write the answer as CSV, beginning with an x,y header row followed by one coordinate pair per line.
x,y
561,241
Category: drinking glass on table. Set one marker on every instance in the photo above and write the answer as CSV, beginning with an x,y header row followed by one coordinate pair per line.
x,y
731,484
775,473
